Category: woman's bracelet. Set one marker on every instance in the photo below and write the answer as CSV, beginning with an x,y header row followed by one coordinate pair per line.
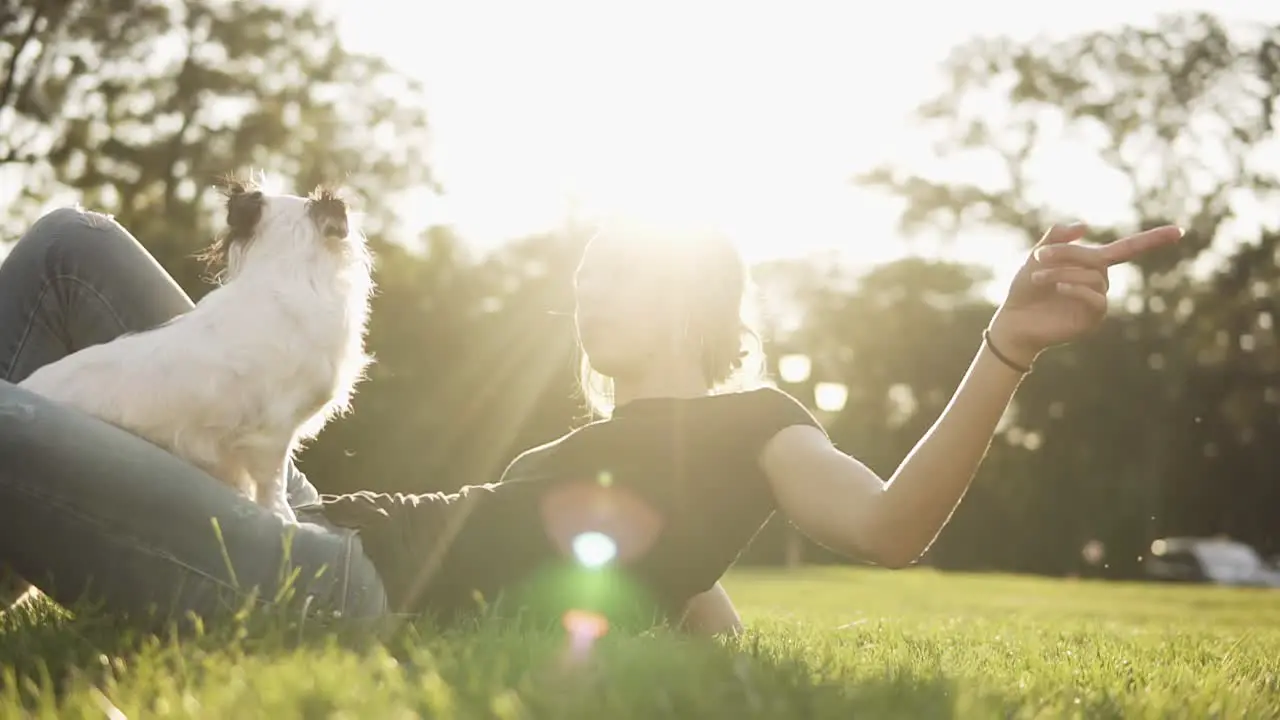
x,y
986,339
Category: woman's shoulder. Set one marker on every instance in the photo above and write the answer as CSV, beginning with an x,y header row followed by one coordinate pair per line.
x,y
767,401
760,413
529,463
753,416
768,394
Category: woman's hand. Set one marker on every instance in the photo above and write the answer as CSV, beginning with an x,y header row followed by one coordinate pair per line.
x,y
1061,291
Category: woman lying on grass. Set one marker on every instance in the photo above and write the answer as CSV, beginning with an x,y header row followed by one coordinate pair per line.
x,y
674,484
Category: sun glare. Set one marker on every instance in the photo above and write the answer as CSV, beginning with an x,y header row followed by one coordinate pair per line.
x,y
594,549
623,112
734,115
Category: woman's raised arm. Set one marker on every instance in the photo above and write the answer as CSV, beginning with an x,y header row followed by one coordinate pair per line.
x,y
841,504
1058,295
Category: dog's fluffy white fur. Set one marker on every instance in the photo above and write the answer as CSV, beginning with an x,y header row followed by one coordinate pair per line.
x,y
259,365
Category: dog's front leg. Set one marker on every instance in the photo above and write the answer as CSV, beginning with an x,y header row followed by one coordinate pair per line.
x,y
278,503
232,474
270,476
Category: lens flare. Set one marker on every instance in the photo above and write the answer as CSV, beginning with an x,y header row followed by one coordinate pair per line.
x,y
594,549
585,625
584,628
597,521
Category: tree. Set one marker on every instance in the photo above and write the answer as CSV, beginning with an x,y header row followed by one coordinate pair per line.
x,y
1177,115
136,106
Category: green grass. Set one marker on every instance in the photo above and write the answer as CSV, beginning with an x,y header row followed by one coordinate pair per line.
x,y
835,643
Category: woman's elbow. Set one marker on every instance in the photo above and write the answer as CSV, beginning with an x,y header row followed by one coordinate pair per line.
x,y
895,560
886,555
875,545
890,552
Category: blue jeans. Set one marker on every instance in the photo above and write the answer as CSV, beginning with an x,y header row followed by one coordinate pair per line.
x,y
90,512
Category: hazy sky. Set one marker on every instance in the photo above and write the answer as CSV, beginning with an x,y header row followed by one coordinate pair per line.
x,y
740,114
743,115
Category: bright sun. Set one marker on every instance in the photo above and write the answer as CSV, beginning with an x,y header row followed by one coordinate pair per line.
x,y
735,115
738,122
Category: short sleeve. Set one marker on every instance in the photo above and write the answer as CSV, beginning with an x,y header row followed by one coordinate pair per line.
x,y
769,412
302,494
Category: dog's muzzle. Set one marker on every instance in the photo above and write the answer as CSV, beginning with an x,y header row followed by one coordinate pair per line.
x,y
330,215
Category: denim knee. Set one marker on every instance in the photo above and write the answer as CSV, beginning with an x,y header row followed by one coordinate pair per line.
x,y
73,241
66,230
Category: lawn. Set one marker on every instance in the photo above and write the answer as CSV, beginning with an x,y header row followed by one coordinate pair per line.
x,y
824,643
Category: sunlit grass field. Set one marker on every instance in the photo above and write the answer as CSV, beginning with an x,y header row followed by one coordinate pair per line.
x,y
823,643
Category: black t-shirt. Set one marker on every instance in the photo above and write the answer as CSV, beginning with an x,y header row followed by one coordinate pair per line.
x,y
675,482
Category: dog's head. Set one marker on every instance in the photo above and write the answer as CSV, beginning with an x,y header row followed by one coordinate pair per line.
x,y
281,228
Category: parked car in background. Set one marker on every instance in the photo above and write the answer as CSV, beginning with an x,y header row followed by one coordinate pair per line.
x,y
1219,561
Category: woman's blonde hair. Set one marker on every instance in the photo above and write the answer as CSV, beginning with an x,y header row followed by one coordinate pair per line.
x,y
719,311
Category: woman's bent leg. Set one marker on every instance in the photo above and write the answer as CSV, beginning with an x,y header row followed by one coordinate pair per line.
x,y
91,512
78,279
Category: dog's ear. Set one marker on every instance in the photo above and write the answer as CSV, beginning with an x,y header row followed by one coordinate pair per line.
x,y
330,212
244,205
244,209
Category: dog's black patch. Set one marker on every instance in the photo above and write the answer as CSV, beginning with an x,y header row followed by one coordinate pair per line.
x,y
244,209
329,210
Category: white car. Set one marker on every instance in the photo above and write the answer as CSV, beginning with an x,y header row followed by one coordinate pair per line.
x,y
1211,560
